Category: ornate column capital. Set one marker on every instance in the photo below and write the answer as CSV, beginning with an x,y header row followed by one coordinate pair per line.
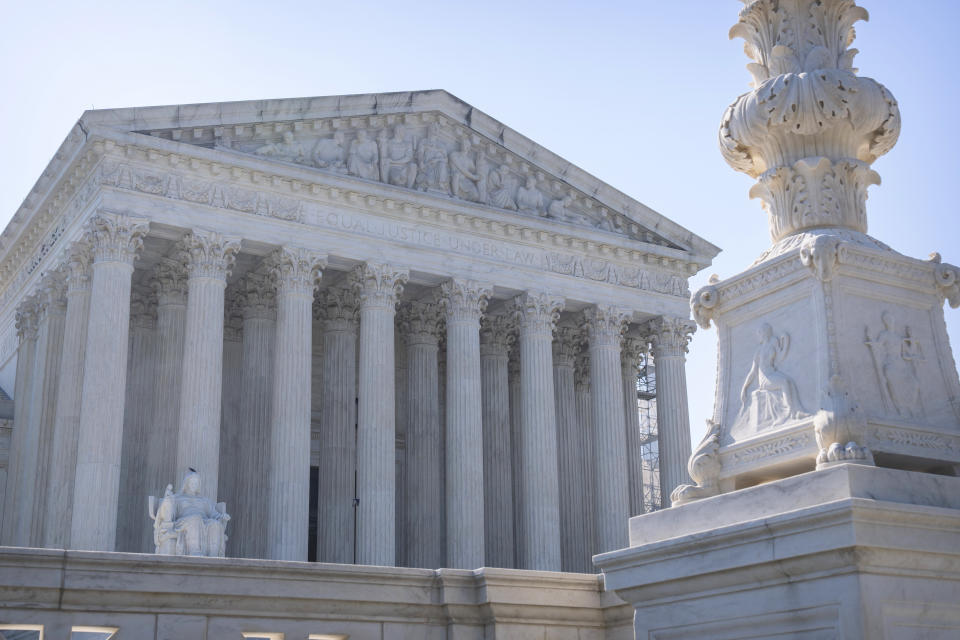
x,y
631,351
76,266
581,370
170,281
209,254
566,345
497,334
421,322
28,319
257,296
338,307
604,325
536,312
233,315
52,294
116,238
670,335
296,270
143,308
810,128
464,300
379,285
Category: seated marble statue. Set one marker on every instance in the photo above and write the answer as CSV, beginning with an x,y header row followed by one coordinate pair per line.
x,y
187,523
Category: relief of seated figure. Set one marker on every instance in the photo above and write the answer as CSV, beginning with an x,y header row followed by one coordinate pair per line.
x,y
187,523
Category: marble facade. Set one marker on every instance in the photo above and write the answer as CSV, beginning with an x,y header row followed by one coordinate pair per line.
x,y
436,314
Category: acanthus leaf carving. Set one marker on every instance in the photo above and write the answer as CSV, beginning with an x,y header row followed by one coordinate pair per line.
x,y
464,300
209,254
670,335
116,238
378,285
296,270
536,311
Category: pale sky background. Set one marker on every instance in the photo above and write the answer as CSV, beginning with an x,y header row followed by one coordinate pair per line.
x,y
631,91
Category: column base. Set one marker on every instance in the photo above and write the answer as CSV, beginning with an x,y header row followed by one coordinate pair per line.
x,y
847,552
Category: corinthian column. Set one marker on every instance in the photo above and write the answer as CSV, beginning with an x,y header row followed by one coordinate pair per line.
x,y
464,301
604,327
379,287
421,323
63,457
257,297
231,417
537,314
587,457
115,240
18,500
496,335
570,468
296,272
170,284
338,455
633,350
670,337
209,259
53,309
513,379
137,424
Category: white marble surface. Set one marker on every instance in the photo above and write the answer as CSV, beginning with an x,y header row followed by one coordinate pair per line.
x,y
851,552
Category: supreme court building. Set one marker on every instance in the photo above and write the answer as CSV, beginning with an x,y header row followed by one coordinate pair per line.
x,y
386,330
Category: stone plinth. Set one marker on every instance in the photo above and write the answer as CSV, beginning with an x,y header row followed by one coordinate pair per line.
x,y
846,552
150,597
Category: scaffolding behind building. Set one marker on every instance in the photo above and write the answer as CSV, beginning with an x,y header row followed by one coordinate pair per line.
x,y
650,449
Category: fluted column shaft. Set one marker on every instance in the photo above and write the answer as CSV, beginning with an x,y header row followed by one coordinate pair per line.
x,y
296,272
138,411
115,240
258,299
198,436
604,327
338,419
516,459
231,420
170,282
63,458
464,301
18,500
587,460
379,287
539,484
421,323
495,338
572,540
631,353
669,337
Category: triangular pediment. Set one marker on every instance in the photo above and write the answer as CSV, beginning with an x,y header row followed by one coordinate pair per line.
x,y
428,142
427,152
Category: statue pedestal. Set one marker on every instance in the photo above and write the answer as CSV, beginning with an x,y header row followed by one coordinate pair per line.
x,y
847,552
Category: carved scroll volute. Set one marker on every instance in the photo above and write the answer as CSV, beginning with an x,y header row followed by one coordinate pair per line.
x,y
811,127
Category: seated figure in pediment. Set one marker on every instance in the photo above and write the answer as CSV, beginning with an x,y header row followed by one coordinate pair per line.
x,y
434,173
363,159
397,164
530,199
289,150
502,189
330,154
465,177
187,523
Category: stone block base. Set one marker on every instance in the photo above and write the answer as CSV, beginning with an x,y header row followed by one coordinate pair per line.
x,y
149,597
847,552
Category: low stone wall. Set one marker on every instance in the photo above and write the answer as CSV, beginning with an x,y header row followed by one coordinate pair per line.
x,y
149,597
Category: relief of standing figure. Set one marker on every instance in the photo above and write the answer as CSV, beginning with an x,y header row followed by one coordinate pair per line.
x,y
895,359
397,164
363,159
434,173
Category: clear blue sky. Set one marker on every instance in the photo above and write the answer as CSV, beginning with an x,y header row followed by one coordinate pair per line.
x,y
631,91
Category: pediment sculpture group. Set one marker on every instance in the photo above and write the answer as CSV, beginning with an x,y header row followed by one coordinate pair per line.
x,y
465,172
188,524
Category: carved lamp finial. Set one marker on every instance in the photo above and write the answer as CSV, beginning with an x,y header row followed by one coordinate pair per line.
x,y
810,128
